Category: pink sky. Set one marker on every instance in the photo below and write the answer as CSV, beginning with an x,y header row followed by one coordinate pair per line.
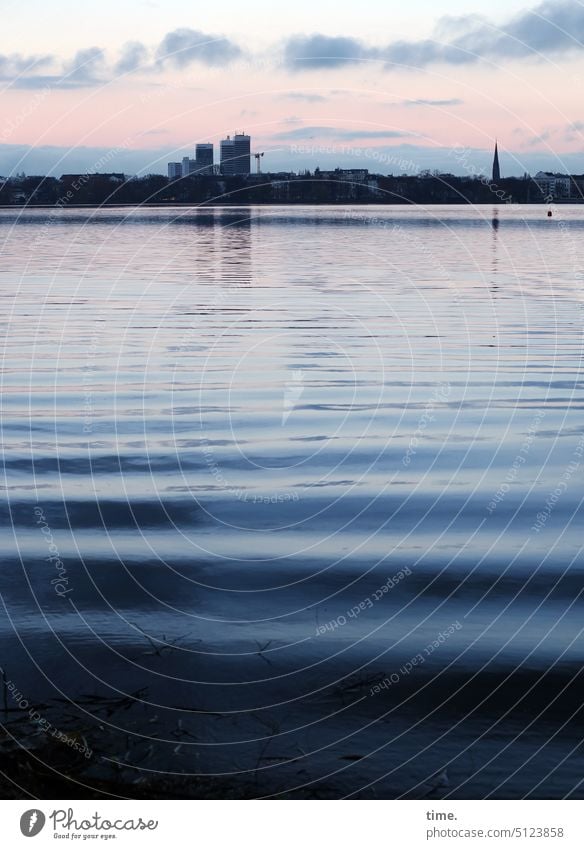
x,y
351,91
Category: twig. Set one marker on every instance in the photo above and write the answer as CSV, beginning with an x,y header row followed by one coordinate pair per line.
x,y
262,649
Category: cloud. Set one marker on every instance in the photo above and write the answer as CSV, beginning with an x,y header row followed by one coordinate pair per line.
x,y
541,138
18,71
451,26
89,66
553,27
86,66
15,64
574,131
422,101
382,158
133,55
323,51
344,135
184,46
308,97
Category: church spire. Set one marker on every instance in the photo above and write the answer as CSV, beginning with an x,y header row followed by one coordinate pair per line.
x,y
496,169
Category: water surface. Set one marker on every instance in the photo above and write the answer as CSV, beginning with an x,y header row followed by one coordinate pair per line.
x,y
311,478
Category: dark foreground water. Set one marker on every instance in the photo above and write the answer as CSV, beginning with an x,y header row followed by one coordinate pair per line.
x,y
311,480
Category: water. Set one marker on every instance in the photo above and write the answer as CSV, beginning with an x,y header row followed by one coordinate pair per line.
x,y
310,478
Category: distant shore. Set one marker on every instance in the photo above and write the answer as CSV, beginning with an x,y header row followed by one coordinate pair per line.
x,y
316,204
337,188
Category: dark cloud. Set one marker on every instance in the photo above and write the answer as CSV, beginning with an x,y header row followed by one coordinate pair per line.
x,y
553,27
49,81
15,65
18,71
184,46
339,134
85,67
133,56
323,51
89,66
418,54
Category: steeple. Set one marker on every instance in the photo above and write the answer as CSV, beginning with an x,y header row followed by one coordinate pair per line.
x,y
496,169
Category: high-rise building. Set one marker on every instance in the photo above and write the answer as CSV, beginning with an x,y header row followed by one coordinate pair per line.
x,y
242,152
189,166
227,162
174,170
235,154
496,169
204,158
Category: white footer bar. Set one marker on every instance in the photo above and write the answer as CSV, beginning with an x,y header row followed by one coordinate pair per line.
x,y
291,824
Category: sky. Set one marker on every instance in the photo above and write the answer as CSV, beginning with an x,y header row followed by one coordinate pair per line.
x,y
390,86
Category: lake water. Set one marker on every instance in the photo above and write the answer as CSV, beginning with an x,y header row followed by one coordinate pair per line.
x,y
311,480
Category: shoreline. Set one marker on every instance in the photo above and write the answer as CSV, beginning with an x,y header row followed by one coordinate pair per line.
x,y
205,205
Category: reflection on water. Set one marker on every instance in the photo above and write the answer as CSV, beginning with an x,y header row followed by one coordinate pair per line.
x,y
328,462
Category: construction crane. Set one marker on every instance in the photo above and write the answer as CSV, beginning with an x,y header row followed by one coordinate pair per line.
x,y
258,156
